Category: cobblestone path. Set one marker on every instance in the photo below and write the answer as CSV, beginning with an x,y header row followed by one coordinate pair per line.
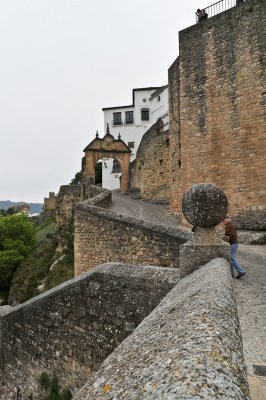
x,y
250,290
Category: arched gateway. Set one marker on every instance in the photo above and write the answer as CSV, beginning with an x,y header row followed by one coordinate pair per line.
x,y
107,147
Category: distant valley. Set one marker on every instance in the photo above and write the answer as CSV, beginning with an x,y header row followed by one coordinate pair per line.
x,y
34,207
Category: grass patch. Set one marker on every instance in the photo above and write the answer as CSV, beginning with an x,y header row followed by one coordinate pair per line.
x,y
46,228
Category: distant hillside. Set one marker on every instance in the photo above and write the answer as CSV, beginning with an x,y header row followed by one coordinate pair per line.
x,y
34,207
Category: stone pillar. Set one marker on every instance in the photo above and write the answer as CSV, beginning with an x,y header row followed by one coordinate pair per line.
x,y
90,166
124,162
204,206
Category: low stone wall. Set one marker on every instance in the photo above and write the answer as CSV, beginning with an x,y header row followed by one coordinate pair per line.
x,y
251,220
90,191
189,347
103,236
99,197
71,329
251,237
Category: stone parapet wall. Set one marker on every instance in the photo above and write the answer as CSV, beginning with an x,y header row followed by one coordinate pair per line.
x,y
103,236
99,197
189,347
149,172
66,189
249,220
90,191
71,329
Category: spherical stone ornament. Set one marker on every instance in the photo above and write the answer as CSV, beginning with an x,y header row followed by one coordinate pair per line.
x,y
205,205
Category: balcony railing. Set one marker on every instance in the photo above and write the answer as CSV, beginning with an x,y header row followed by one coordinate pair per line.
x,y
219,7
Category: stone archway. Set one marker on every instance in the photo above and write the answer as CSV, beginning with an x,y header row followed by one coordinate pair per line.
x,y
107,147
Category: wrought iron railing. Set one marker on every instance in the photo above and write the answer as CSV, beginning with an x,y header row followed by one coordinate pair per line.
x,y
219,7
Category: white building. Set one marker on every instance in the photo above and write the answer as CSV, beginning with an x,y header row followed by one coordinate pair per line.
x,y
131,122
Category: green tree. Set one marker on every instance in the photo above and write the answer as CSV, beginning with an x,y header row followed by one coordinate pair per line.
x,y
77,179
17,238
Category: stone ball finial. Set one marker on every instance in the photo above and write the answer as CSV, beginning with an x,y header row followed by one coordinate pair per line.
x,y
205,205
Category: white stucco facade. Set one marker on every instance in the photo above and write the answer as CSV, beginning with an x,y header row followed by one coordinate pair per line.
x,y
132,121
110,178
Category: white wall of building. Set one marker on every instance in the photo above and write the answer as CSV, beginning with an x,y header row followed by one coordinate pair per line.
x,y
159,107
110,180
131,133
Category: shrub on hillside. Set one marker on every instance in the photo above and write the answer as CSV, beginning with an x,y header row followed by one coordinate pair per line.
x,y
17,239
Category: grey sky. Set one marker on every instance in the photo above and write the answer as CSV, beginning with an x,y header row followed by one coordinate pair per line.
x,y
61,61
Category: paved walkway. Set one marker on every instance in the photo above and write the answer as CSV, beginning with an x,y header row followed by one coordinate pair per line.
x,y
250,290
251,298
157,213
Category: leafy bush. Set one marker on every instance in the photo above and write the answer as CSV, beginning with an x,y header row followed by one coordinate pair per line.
x,y
77,179
35,274
52,389
17,239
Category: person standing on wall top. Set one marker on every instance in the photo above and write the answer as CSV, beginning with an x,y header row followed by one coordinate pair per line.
x,y
230,230
204,15
201,14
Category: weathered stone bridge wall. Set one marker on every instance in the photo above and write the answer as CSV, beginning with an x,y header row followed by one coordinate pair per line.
x,y
218,108
189,347
71,329
103,236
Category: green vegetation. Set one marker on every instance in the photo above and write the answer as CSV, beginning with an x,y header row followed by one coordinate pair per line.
x,y
77,179
51,389
43,269
17,239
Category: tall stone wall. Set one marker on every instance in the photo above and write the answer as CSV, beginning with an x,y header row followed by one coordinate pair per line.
x,y
189,347
71,329
174,138
150,169
103,236
223,105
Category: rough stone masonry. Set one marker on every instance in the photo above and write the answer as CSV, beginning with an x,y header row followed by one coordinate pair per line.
x,y
218,109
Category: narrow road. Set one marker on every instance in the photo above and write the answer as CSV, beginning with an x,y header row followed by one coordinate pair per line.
x,y
157,213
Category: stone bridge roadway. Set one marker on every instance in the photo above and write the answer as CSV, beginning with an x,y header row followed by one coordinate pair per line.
x,y
250,290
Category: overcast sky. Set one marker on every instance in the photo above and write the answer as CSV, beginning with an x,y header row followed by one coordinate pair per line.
x,y
61,61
